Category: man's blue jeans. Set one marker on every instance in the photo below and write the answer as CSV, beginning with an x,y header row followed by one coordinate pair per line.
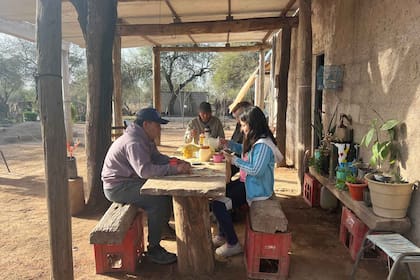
x,y
158,207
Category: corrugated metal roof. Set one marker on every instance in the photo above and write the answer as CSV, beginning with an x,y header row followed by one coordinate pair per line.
x,y
165,12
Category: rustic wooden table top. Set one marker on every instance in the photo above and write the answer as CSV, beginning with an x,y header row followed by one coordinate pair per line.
x,y
207,180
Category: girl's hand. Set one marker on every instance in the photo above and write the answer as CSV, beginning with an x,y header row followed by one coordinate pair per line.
x,y
223,142
228,155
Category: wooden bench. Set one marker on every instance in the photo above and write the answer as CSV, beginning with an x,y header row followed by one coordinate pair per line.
x,y
267,241
363,212
118,239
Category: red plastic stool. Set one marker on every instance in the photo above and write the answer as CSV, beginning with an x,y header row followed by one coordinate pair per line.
x,y
311,190
352,232
267,254
121,257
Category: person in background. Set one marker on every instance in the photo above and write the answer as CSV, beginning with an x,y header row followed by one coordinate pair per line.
x,y
204,120
237,135
259,154
129,162
235,187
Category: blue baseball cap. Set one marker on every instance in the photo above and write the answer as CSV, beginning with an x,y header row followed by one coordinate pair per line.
x,y
150,114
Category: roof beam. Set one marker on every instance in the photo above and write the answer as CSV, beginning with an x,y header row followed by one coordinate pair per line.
x,y
206,27
254,48
20,29
23,30
282,14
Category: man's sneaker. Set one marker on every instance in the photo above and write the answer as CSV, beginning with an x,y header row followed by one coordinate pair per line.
x,y
168,233
218,241
227,250
159,255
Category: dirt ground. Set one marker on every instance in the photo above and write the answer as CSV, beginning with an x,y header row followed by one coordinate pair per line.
x,y
316,251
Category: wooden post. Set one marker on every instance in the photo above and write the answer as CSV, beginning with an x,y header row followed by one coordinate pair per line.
x,y
282,97
192,226
156,79
66,92
304,70
53,135
117,94
259,93
156,84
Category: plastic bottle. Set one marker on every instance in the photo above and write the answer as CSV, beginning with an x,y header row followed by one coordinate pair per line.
x,y
202,137
206,136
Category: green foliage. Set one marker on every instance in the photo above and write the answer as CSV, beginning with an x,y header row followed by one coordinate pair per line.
x,y
29,116
324,135
383,149
231,71
384,146
342,174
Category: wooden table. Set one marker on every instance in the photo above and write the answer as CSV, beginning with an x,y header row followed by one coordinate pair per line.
x,y
191,195
363,212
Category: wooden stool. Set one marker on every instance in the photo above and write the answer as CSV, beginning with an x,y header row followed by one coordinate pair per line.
x,y
267,244
118,239
397,247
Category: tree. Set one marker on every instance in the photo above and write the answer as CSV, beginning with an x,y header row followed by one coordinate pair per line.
x,y
78,82
180,69
10,82
232,70
17,67
97,19
136,76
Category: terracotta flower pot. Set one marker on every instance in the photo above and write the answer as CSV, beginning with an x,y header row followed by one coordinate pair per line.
x,y
356,190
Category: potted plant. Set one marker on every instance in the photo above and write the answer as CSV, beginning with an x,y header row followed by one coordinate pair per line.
x,y
342,172
319,162
356,186
390,193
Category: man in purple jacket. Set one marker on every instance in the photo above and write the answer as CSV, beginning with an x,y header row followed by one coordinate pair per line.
x,y
130,161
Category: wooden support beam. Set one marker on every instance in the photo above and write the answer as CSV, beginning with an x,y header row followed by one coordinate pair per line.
x,y
175,16
48,35
65,72
192,39
156,84
259,93
303,79
117,94
206,27
216,49
147,38
282,14
282,98
20,29
287,8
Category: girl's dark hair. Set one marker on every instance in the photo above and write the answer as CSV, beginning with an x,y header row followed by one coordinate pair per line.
x,y
258,127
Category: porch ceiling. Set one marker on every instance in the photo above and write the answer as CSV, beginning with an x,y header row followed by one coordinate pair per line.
x,y
175,22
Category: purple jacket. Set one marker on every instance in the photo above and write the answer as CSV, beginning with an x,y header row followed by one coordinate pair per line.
x,y
133,157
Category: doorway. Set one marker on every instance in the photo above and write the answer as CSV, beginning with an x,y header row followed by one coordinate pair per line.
x,y
317,109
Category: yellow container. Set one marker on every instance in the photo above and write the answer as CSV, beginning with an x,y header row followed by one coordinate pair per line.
x,y
204,153
188,153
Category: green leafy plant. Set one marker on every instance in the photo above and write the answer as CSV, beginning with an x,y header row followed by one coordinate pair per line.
x,y
385,153
315,163
351,178
324,135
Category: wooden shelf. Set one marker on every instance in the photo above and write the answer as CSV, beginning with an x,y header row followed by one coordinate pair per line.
x,y
363,212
